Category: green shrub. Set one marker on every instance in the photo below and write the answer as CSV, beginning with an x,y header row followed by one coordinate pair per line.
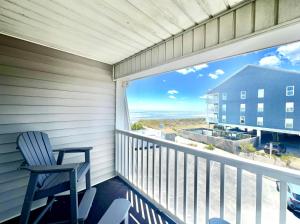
x,y
248,148
210,147
287,159
137,126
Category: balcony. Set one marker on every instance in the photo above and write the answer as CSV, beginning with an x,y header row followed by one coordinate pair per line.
x,y
192,186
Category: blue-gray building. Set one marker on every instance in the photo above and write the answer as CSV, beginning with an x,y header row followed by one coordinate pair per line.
x,y
259,98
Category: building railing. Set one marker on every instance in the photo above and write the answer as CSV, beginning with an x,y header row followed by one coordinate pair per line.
x,y
182,180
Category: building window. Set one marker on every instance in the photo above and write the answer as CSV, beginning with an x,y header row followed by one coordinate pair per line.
x,y
289,91
224,108
289,107
223,118
261,93
242,119
260,121
289,123
243,95
224,96
260,107
242,107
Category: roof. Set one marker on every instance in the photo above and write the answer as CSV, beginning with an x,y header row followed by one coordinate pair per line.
x,y
104,30
252,69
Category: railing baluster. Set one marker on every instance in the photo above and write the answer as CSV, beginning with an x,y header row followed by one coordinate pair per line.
x,y
167,179
142,165
128,156
258,198
117,152
222,185
132,160
283,197
147,168
121,154
137,162
175,183
207,190
185,187
153,169
196,190
159,173
238,195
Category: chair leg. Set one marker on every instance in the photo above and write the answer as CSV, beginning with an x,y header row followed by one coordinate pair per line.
x,y
88,180
126,219
88,174
73,196
25,213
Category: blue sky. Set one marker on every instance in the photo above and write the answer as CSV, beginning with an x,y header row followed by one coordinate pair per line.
x,y
185,89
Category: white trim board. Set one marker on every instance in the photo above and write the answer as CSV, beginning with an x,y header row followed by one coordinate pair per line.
x,y
281,34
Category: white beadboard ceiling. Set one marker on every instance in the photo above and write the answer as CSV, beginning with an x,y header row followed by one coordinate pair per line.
x,y
103,30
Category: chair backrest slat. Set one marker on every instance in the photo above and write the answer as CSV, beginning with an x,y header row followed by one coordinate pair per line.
x,y
36,150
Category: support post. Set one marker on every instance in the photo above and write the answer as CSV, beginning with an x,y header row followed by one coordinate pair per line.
x,y
258,134
122,113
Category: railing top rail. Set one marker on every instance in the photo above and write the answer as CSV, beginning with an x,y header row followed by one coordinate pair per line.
x,y
280,173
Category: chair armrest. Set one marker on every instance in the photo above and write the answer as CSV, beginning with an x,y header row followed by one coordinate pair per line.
x,y
62,151
74,149
51,169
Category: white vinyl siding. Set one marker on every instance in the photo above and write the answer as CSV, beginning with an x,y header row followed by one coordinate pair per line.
x,y
290,91
260,121
243,95
289,123
70,98
289,107
260,93
260,107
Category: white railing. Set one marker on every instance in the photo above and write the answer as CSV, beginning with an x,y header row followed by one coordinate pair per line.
x,y
193,185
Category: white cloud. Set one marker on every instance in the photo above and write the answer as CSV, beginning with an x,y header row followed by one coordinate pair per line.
x,y
164,80
200,75
213,76
219,72
201,66
195,68
172,91
216,74
185,71
172,97
272,60
203,97
290,52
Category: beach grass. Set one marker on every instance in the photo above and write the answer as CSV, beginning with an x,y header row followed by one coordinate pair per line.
x,y
173,125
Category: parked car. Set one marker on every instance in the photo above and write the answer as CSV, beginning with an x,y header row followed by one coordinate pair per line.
x,y
293,196
277,148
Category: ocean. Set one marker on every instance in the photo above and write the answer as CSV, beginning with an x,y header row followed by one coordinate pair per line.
x,y
138,115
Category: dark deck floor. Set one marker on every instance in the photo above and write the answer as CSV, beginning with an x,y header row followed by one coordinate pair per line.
x,y
142,211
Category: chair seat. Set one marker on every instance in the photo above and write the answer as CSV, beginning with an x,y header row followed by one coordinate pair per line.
x,y
58,182
117,212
